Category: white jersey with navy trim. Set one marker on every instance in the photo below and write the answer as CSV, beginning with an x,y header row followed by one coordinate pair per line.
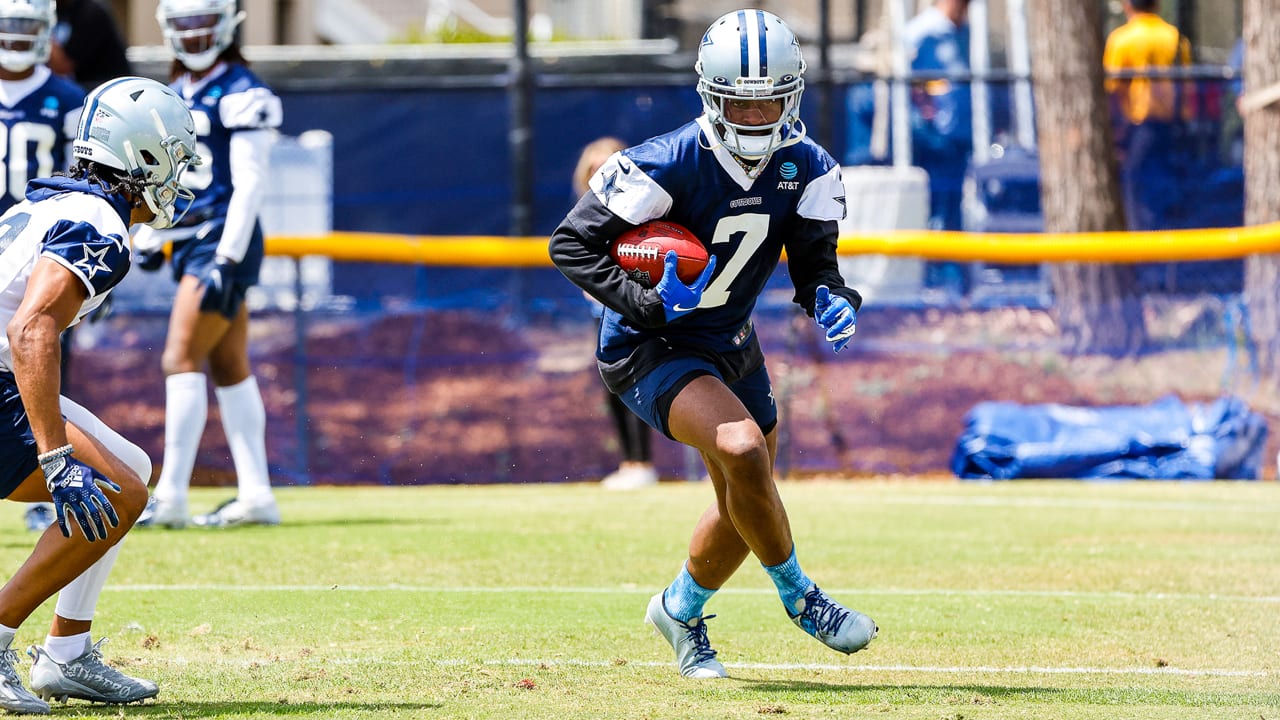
x,y
72,224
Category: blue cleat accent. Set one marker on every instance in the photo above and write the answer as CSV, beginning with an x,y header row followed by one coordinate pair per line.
x,y
834,625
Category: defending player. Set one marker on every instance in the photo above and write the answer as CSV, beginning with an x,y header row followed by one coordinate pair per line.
x,y
39,111
64,248
217,251
744,180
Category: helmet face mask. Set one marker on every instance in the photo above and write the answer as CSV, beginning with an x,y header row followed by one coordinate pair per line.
x,y
750,76
198,30
144,130
25,30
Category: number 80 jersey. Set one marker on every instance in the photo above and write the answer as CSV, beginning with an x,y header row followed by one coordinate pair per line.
x,y
38,118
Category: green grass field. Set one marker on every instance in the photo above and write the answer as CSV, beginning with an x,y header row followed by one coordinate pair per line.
x,y
1029,600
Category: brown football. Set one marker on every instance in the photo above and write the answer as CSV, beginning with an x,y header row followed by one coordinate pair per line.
x,y
640,252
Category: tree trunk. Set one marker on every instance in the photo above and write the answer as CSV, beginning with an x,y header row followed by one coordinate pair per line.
x,y
1262,178
1097,305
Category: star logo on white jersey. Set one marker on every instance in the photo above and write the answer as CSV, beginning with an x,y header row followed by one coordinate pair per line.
x,y
610,187
93,261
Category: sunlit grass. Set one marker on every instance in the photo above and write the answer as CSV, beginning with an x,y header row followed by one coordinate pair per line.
x,y
1024,600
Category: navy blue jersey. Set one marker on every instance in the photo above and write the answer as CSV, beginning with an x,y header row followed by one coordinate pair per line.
x,y
39,115
229,100
794,204
94,247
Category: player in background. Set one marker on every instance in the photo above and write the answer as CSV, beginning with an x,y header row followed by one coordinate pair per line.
x,y
636,469
39,111
744,179
64,248
217,251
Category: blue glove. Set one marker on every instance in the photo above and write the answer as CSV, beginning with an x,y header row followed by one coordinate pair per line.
x,y
77,489
219,288
150,261
836,315
677,298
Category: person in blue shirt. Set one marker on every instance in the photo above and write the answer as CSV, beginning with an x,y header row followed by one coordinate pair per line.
x,y
941,104
686,358
64,248
217,252
937,41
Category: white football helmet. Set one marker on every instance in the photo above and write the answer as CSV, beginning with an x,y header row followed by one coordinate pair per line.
x,y
142,128
751,55
198,30
25,29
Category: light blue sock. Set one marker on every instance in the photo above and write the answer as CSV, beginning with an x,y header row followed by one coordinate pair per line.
x,y
685,598
790,581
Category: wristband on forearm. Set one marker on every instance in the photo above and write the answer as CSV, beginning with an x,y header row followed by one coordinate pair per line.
x,y
55,453
51,462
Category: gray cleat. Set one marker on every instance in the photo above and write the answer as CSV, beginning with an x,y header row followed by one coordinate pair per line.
x,y
693,650
234,513
13,696
836,626
86,678
160,513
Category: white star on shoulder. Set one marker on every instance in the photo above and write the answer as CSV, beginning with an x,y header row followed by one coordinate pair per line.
x,y
93,261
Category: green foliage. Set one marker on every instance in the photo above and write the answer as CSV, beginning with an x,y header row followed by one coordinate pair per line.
x,y
1072,601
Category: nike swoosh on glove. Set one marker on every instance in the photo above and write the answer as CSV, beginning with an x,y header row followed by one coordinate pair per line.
x,y
679,299
836,315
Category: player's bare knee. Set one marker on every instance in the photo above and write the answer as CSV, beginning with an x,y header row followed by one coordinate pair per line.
x,y
740,446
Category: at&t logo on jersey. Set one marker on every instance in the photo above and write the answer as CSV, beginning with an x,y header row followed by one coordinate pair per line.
x,y
788,171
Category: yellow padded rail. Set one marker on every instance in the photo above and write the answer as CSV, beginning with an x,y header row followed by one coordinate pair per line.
x,y
1011,248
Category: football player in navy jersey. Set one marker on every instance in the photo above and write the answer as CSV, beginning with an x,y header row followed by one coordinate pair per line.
x,y
745,180
217,252
62,250
39,111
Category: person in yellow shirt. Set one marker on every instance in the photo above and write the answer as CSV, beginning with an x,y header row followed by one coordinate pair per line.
x,y
1145,109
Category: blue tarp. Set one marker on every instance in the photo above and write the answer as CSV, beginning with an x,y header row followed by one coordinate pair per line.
x,y
1167,439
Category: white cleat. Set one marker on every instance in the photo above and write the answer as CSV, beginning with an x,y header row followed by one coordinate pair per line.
x,y
163,513
630,478
836,626
86,678
234,513
13,696
693,650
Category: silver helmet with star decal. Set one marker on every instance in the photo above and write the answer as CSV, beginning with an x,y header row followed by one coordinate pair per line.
x,y
751,56
198,30
142,128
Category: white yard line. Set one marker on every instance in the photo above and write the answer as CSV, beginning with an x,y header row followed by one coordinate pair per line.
x,y
563,590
